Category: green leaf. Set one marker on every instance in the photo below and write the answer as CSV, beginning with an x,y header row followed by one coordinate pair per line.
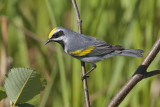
x,y
2,93
22,84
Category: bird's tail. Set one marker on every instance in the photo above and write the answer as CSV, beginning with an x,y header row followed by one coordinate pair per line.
x,y
132,52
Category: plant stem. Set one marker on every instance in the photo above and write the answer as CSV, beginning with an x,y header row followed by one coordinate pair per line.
x,y
85,87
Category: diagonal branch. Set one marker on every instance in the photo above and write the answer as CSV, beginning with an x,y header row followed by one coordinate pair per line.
x,y
138,75
85,87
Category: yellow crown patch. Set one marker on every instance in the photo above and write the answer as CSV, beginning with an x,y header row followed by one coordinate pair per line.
x,y
50,34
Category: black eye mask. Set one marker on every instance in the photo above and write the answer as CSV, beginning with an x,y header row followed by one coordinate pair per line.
x,y
58,34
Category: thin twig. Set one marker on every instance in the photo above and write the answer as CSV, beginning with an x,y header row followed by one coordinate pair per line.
x,y
3,63
138,76
3,66
85,87
151,73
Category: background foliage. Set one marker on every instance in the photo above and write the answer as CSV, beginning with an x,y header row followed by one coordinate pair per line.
x,y
131,23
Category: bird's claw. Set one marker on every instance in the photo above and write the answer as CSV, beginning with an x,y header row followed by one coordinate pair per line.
x,y
84,77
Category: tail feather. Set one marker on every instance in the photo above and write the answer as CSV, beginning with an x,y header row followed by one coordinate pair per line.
x,y
131,52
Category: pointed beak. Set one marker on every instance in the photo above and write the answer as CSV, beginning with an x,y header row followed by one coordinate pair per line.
x,y
49,40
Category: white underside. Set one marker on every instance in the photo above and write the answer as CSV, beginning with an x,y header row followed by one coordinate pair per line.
x,y
94,59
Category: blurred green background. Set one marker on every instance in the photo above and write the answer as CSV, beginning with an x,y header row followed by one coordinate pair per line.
x,y
130,23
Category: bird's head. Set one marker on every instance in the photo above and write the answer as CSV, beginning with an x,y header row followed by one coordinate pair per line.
x,y
56,35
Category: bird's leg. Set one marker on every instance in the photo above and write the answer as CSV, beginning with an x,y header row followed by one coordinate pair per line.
x,y
85,75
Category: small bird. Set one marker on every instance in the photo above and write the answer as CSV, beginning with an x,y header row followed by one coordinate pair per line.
x,y
86,48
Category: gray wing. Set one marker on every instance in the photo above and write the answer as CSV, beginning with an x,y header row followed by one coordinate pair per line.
x,y
103,48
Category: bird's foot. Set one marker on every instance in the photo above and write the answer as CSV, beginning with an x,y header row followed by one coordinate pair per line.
x,y
84,77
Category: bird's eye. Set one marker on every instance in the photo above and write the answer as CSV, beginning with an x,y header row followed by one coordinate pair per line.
x,y
58,34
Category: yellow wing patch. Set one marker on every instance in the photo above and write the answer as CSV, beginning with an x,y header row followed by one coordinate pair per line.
x,y
82,52
50,34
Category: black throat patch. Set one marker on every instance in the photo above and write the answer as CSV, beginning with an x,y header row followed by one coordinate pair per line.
x,y
61,43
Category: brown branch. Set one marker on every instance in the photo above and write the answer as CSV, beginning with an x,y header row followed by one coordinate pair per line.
x,y
3,66
3,63
85,87
138,76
